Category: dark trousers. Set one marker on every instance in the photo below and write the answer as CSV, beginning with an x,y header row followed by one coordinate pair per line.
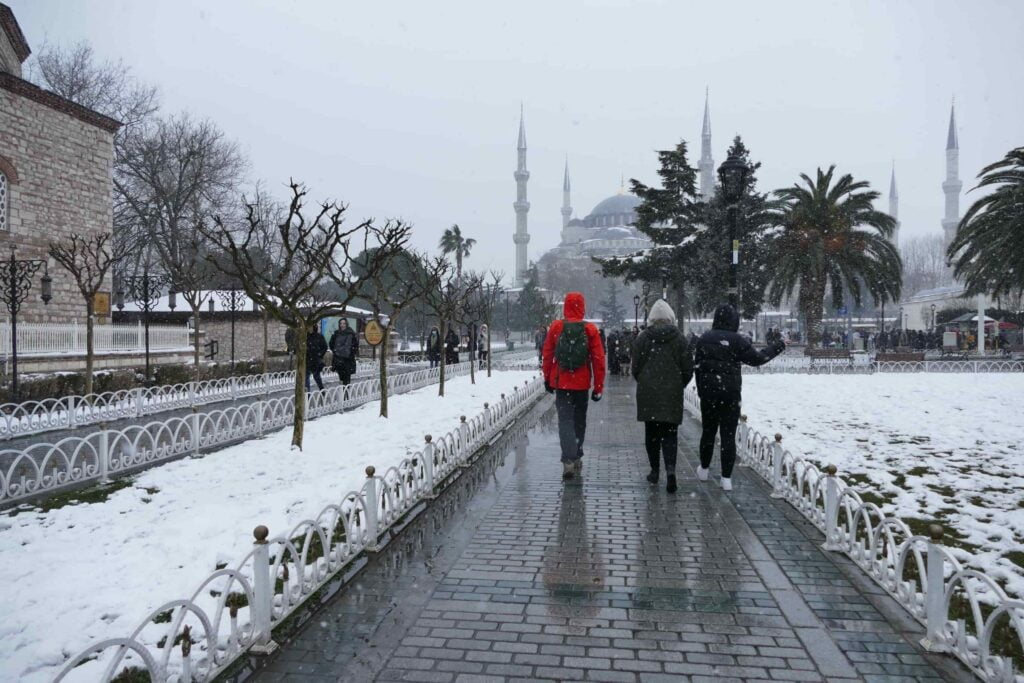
x,y
315,373
572,422
662,439
719,416
344,374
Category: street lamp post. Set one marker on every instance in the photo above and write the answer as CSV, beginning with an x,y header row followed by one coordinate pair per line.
x,y
636,309
933,317
233,299
144,290
733,176
15,284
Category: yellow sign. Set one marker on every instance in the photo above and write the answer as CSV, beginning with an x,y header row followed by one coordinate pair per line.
x,y
101,303
373,333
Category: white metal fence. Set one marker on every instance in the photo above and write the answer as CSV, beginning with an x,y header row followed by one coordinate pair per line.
x,y
40,339
234,609
964,611
863,365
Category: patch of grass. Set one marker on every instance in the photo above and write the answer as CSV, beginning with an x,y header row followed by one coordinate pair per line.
x,y
93,494
163,617
1015,556
132,674
918,471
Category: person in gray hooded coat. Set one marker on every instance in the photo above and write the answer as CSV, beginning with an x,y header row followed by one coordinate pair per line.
x,y
662,368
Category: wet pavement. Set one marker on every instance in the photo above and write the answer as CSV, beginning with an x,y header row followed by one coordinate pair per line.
x,y
512,574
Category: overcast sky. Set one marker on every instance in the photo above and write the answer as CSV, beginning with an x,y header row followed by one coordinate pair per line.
x,y
410,109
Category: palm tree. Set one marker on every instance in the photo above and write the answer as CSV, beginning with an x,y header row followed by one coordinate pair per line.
x,y
988,250
452,241
822,243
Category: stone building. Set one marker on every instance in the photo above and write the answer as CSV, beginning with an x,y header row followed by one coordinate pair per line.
x,y
56,160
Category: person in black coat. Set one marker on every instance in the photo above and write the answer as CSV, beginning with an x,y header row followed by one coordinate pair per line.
x,y
344,351
451,347
316,347
612,354
720,353
434,347
662,368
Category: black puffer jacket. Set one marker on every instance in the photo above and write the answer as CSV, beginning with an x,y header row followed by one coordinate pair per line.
x,y
719,354
662,368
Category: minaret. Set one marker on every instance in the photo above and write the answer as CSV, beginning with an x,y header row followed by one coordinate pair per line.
x,y
952,185
566,205
894,207
707,164
522,207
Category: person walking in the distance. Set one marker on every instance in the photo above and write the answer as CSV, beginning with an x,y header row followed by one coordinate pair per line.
x,y
662,368
572,358
720,353
316,347
344,351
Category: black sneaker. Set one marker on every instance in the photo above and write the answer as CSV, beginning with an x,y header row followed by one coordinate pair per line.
x,y
568,470
653,477
671,485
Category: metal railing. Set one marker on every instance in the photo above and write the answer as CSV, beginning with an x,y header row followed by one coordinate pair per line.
x,y
98,457
864,366
961,608
235,609
69,412
39,339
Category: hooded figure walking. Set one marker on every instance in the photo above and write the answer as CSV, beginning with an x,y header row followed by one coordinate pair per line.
x,y
720,353
662,368
344,346
572,356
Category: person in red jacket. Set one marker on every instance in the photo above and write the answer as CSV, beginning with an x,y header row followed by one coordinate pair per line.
x,y
573,358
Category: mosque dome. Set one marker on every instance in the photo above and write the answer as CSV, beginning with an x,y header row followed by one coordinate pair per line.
x,y
616,204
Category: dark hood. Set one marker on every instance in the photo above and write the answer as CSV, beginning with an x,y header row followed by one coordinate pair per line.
x,y
726,318
574,307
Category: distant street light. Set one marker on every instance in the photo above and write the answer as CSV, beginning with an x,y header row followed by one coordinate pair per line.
x,y
933,317
15,284
636,309
144,290
733,176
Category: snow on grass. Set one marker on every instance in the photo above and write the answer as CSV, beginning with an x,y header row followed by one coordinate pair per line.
x,y
923,446
84,572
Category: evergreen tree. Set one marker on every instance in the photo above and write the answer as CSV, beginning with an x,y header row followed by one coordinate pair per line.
x,y
532,309
611,311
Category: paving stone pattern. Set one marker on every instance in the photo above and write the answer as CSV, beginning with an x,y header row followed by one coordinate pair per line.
x,y
519,576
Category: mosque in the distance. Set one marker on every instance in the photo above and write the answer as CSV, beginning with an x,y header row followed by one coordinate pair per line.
x,y
608,230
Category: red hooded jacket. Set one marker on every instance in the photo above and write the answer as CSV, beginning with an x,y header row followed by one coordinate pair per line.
x,y
578,379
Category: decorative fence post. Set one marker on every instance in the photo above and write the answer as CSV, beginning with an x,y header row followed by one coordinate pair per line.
x,y
370,503
778,485
137,395
487,422
234,388
832,536
935,594
195,430
428,466
72,417
464,440
258,407
263,593
104,453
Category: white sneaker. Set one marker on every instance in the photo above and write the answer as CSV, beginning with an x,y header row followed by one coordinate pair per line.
x,y
702,474
726,484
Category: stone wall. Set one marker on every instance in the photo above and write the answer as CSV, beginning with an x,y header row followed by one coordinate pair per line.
x,y
62,155
248,336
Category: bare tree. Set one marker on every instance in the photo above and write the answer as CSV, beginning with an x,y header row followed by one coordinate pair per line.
x,y
89,260
447,301
310,247
924,263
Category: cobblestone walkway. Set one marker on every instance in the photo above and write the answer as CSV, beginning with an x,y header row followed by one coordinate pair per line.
x,y
513,575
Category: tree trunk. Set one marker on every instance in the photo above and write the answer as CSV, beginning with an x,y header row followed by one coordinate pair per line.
x,y
472,355
300,385
384,370
813,306
266,333
444,357
488,348
89,342
195,344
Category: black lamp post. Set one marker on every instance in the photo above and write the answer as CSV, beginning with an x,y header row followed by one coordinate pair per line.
x,y
636,308
933,317
15,284
647,306
233,300
144,290
733,177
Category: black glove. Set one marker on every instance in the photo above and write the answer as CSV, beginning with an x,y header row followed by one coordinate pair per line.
x,y
595,397
548,388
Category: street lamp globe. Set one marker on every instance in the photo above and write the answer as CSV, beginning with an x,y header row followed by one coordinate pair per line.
x,y
733,176
47,288
636,300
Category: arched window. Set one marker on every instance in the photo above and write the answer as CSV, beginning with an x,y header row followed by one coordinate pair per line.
x,y
4,202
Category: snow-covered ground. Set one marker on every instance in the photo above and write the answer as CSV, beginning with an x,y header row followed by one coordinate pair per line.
x,y
930,445
81,573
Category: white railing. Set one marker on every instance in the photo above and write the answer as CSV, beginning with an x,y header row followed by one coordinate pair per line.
x,y
69,412
76,461
861,365
234,609
40,339
962,609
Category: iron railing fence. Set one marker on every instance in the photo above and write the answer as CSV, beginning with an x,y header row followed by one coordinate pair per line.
x,y
235,609
74,462
865,366
963,610
40,339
